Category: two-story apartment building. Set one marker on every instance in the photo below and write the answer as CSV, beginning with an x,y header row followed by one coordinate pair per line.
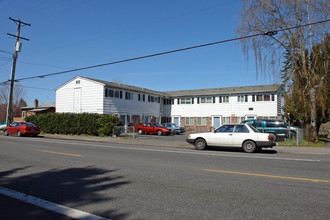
x,y
197,110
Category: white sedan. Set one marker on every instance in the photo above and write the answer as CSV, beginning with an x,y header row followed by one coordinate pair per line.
x,y
233,135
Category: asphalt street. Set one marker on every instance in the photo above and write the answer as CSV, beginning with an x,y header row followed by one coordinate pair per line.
x,y
133,181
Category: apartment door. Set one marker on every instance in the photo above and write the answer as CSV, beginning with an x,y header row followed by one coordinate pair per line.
x,y
176,121
216,121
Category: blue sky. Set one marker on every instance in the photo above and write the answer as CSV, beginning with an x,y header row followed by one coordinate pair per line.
x,y
69,34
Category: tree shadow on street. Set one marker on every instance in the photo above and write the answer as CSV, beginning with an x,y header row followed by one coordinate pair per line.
x,y
72,187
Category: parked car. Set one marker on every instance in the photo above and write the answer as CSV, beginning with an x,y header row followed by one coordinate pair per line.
x,y
276,127
233,135
152,128
22,128
2,125
174,127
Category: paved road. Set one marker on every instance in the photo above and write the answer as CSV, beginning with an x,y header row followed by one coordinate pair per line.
x,y
120,181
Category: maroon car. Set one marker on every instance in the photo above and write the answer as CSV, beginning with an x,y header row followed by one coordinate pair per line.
x,y
22,128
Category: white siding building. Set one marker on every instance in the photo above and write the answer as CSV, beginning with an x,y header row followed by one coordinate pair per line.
x,y
131,104
197,110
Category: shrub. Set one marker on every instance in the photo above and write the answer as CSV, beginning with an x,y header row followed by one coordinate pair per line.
x,y
76,124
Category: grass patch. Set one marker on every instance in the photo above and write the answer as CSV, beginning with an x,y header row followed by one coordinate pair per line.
x,y
303,143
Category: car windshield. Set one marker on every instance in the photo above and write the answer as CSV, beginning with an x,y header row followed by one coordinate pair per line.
x,y
157,125
253,128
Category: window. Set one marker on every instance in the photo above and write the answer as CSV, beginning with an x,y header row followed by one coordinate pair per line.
x,y
241,98
225,129
259,98
275,124
225,99
267,97
226,120
253,98
106,93
153,99
144,97
168,101
185,101
189,121
77,81
117,94
139,97
129,95
206,100
257,124
111,93
273,97
241,129
201,121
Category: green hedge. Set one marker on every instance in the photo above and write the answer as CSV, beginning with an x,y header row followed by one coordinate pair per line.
x,y
77,124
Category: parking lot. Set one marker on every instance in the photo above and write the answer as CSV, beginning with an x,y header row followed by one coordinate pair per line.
x,y
173,138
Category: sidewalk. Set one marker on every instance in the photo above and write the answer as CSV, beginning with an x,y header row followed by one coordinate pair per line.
x,y
182,144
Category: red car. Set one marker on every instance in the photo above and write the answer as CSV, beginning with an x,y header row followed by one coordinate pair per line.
x,y
152,128
22,128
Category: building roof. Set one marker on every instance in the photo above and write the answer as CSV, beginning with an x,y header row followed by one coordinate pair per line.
x,y
186,93
225,91
126,87
41,107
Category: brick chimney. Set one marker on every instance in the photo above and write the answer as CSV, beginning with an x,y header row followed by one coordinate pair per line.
x,y
36,103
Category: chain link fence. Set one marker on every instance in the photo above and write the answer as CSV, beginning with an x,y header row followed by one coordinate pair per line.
x,y
297,136
123,131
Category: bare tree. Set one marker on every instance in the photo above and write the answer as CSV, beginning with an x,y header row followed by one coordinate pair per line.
x,y
265,16
18,94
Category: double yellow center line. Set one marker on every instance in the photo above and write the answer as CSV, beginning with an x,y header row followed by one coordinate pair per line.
x,y
263,175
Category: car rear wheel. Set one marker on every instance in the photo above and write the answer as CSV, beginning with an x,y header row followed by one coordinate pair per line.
x,y
274,136
200,144
6,133
19,134
249,146
159,132
140,131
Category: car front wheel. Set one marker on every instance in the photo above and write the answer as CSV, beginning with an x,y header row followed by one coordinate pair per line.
x,y
200,144
19,134
159,132
140,131
249,146
6,133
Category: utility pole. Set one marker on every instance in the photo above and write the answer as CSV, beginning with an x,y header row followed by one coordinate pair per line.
x,y
12,78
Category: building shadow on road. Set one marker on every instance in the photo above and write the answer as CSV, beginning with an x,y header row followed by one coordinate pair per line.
x,y
72,187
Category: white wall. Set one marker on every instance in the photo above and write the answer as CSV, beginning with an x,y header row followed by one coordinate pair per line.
x,y
91,96
239,109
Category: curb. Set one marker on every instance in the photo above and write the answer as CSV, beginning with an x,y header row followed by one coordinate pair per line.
x,y
279,149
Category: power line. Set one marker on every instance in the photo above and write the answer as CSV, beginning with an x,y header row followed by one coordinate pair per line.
x,y
273,32
3,51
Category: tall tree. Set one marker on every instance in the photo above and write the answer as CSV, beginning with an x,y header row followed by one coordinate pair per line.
x,y
297,47
18,94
